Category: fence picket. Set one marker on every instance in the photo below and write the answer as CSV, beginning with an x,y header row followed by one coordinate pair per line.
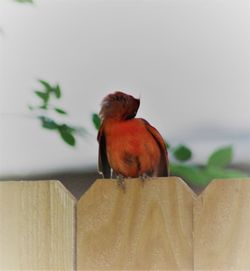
x,y
147,226
37,226
222,226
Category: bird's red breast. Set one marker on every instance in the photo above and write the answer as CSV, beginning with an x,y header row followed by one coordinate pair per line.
x,y
128,145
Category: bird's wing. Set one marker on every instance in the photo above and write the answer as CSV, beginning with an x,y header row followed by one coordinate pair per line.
x,y
103,164
163,169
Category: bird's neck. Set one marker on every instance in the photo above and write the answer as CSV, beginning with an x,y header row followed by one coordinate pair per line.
x,y
111,123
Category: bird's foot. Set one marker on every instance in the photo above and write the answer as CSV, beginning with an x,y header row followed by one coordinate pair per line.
x,y
144,177
121,181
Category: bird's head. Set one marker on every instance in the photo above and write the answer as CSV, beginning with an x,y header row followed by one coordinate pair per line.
x,y
119,106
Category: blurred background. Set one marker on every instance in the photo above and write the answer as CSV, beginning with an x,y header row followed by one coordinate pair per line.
x,y
188,61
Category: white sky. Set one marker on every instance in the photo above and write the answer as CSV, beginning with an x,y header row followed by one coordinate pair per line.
x,y
189,60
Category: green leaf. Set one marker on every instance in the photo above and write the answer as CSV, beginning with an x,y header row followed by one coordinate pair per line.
x,y
43,96
51,89
57,91
216,172
221,157
68,128
67,135
47,86
68,138
200,176
96,121
60,111
44,106
182,153
48,123
193,175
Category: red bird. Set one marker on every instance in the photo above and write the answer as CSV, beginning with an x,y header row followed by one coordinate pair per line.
x,y
129,146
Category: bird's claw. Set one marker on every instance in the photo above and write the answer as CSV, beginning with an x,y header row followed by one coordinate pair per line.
x,y
144,177
121,182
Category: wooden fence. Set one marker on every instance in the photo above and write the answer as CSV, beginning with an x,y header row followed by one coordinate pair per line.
x,y
152,225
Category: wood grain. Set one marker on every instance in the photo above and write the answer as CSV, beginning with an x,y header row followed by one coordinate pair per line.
x,y
222,226
149,226
37,226
152,225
